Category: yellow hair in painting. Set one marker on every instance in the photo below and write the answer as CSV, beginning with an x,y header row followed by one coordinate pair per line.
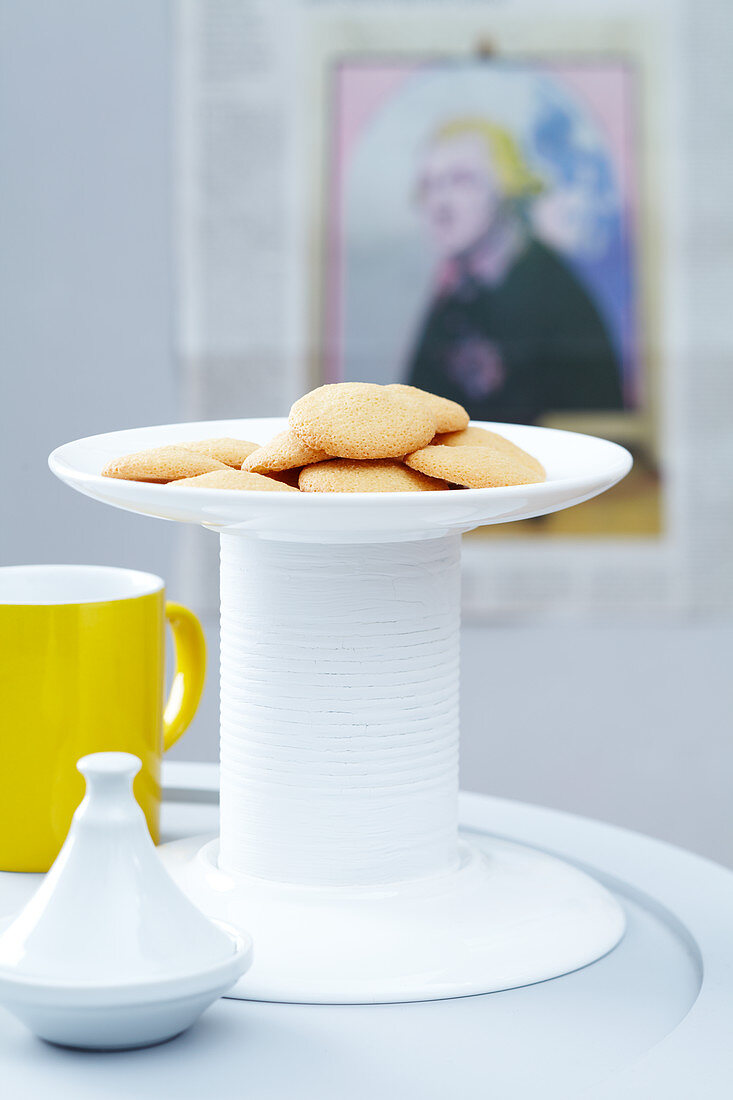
x,y
515,176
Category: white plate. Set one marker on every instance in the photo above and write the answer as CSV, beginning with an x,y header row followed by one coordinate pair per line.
x,y
578,467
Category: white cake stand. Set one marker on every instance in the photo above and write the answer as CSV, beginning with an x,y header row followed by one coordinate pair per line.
x,y
339,848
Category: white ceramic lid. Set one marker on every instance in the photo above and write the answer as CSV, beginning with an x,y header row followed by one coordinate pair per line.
x,y
107,913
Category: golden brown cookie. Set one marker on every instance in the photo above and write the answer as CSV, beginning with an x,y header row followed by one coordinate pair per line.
x,y
449,416
232,452
473,467
380,475
362,420
235,479
284,452
482,437
288,477
161,464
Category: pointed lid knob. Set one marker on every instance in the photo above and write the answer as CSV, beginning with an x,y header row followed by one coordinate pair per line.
x,y
108,912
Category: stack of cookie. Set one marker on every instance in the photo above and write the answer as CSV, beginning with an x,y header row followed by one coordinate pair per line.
x,y
350,437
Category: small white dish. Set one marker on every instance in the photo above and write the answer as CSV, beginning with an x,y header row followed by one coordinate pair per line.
x,y
109,953
120,1017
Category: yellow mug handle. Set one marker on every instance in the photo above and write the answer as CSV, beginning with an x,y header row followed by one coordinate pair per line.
x,y
188,678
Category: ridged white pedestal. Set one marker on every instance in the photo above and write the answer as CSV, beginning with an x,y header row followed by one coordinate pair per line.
x,y
339,710
339,848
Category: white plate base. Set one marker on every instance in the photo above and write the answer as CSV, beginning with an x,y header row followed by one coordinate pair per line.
x,y
508,916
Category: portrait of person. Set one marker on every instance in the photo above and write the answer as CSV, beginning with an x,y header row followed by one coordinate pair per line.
x,y
483,233
509,331
484,240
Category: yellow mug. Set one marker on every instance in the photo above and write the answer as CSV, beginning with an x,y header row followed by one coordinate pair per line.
x,y
82,661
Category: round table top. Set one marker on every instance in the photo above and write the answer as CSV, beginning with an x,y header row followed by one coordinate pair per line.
x,y
651,1019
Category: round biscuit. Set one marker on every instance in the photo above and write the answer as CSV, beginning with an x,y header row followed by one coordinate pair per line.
x,y
161,464
482,437
284,452
288,477
473,467
380,475
234,479
449,416
232,452
362,420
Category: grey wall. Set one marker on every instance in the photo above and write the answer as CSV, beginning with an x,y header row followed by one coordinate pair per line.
x,y
628,724
85,273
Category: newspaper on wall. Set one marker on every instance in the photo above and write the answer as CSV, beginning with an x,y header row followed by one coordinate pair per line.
x,y
520,210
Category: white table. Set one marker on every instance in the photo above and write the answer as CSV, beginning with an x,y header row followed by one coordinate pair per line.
x,y
654,1019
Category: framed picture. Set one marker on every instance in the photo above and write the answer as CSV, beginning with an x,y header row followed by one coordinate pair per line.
x,y
484,242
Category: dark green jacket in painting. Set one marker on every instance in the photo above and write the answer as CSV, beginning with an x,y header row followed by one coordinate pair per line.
x,y
531,344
